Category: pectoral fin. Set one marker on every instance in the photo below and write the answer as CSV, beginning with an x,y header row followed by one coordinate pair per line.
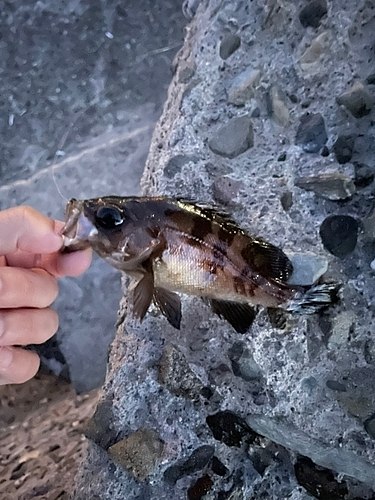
x,y
169,304
143,292
268,260
240,316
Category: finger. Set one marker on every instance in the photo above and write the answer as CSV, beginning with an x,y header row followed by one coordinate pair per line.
x,y
56,264
17,365
26,288
23,228
27,326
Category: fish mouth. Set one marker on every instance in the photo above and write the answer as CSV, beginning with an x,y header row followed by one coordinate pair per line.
x,y
78,229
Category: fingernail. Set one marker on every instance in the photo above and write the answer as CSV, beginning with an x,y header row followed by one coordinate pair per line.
x,y
6,357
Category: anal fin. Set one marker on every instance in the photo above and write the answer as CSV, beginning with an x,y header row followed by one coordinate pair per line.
x,y
239,315
169,304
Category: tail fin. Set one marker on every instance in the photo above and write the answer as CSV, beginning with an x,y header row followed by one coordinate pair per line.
x,y
315,298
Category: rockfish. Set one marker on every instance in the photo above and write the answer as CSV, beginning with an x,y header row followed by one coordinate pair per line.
x,y
172,245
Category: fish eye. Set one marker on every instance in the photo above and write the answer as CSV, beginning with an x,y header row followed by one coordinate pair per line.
x,y
109,217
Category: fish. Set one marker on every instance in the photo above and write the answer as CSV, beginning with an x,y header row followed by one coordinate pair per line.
x,y
172,246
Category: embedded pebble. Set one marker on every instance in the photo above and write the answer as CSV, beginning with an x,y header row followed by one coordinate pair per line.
x,y
225,190
312,13
278,109
230,429
243,363
358,100
200,488
369,226
332,186
197,461
343,148
187,71
334,385
233,138
307,268
229,44
218,467
175,164
311,133
242,87
342,325
369,426
138,453
364,175
318,481
359,398
372,265
286,200
309,60
339,234
176,375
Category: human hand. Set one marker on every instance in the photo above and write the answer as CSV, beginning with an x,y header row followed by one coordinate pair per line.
x,y
29,267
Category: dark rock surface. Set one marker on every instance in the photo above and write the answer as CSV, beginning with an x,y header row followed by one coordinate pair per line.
x,y
284,433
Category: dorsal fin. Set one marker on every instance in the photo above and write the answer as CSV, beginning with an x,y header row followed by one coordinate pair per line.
x,y
212,212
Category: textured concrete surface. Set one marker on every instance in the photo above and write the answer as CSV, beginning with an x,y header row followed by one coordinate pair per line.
x,y
83,83
286,410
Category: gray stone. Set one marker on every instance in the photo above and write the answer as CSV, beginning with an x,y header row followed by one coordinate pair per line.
x,y
334,385
176,375
138,453
312,57
277,107
369,225
243,363
342,327
364,175
343,148
370,426
311,133
225,190
307,268
233,138
332,186
186,72
176,163
312,13
358,401
358,100
196,462
242,86
286,200
228,45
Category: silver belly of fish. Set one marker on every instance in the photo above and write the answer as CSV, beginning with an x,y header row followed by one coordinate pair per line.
x,y
181,271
